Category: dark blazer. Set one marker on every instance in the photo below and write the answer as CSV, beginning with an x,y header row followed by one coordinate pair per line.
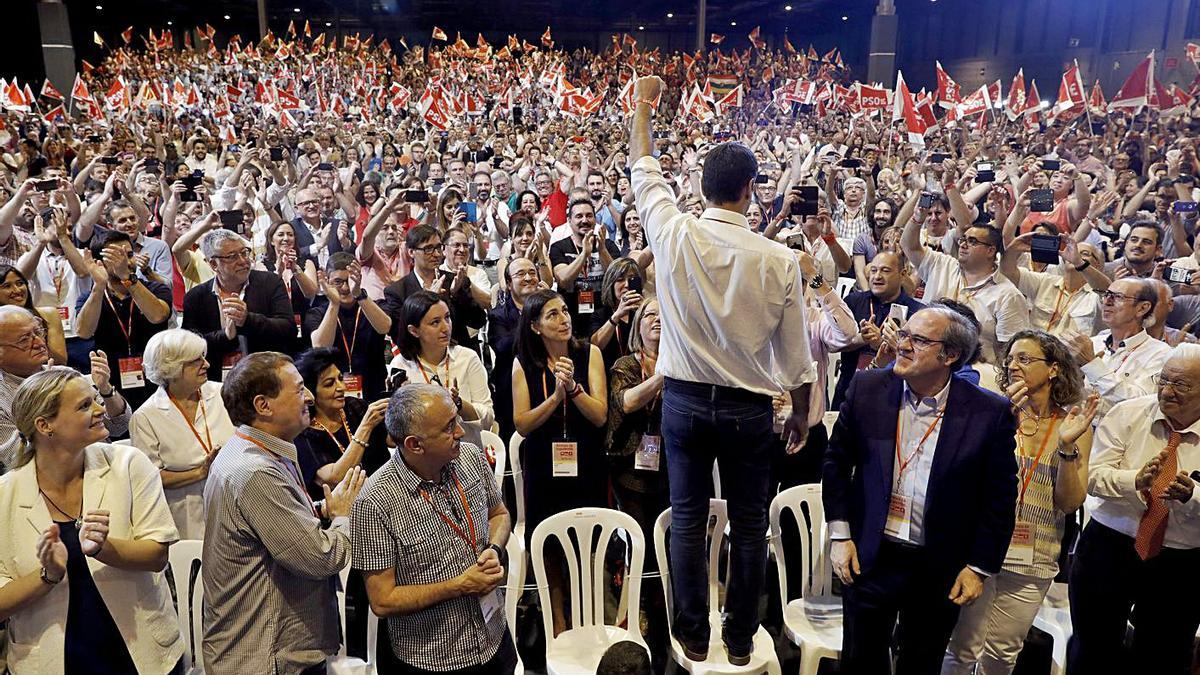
x,y
270,325
463,310
305,238
969,506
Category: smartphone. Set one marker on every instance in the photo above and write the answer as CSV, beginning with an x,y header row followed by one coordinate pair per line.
x,y
191,183
469,209
635,284
416,196
1041,201
473,191
926,200
1043,248
52,184
851,163
1175,275
234,147
809,201
762,178
325,166
111,161
899,313
151,164
47,215
276,154
984,173
795,241
1051,164
938,157
232,220
1184,207
661,135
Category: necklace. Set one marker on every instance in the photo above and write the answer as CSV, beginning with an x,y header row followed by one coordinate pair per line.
x,y
78,519
1026,417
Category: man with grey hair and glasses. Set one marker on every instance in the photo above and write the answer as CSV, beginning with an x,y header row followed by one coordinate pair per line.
x,y
918,517
240,310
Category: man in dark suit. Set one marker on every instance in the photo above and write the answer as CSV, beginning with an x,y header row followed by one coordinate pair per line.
x,y
310,224
425,246
919,491
239,311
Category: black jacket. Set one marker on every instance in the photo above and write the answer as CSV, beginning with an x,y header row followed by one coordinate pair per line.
x,y
270,325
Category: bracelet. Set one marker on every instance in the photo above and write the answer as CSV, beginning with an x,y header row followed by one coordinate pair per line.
x,y
644,100
354,439
829,238
1084,266
1068,456
614,323
576,391
110,393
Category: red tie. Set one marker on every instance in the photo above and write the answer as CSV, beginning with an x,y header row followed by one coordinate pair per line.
x,y
1153,527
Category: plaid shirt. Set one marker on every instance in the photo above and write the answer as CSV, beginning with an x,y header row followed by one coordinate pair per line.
x,y
394,527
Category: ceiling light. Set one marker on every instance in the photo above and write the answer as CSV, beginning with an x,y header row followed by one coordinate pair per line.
x,y
99,8
641,28
732,23
787,8
296,10
170,23
845,18
226,17
328,23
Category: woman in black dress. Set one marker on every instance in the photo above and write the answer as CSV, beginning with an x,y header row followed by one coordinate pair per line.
x,y
560,399
298,271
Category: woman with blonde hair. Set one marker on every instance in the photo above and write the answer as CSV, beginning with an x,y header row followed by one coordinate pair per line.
x,y
84,533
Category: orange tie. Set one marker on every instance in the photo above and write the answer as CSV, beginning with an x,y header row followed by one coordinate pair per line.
x,y
1153,527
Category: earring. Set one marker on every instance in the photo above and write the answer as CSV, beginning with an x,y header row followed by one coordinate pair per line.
x,y
50,434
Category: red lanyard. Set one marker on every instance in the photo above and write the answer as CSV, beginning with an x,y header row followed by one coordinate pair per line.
x,y
453,525
346,427
1027,474
424,374
645,376
1131,351
1055,316
60,273
905,462
126,330
350,345
288,464
208,447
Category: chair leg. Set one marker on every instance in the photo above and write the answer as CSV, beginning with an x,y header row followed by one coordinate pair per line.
x,y
1058,654
810,662
773,667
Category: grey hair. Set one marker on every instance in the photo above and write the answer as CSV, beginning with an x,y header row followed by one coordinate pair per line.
x,y
960,335
12,311
1185,350
213,240
852,181
168,351
40,395
408,408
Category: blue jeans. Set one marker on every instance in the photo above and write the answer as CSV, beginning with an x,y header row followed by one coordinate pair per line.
x,y
701,423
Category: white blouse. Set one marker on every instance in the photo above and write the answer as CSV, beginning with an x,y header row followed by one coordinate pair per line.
x,y
160,430
463,365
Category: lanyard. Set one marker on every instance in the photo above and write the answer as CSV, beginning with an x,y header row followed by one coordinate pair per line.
x,y
424,374
60,273
345,427
453,525
208,447
546,395
1055,316
291,468
1131,351
126,330
905,462
350,345
1026,475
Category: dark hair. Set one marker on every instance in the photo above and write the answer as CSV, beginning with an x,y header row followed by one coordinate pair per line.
x,y
580,202
962,333
625,658
531,350
362,201
419,235
728,168
994,238
1067,388
618,269
1146,293
537,201
268,257
621,225
314,362
891,209
99,243
942,200
518,222
6,270
339,261
255,375
1149,225
416,306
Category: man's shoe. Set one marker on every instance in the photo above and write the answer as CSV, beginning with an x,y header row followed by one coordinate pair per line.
x,y
736,657
695,651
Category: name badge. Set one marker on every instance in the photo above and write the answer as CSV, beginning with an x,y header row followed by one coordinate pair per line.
x,y
648,453
899,517
228,362
132,376
64,314
566,459
490,604
299,329
1020,547
354,385
587,301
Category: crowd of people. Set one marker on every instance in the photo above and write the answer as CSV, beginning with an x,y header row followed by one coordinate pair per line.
x,y
303,297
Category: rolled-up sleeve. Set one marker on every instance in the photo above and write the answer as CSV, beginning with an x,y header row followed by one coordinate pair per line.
x,y
654,199
789,346
151,517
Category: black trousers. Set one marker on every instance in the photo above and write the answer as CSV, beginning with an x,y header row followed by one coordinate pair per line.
x,y
1109,581
905,583
503,662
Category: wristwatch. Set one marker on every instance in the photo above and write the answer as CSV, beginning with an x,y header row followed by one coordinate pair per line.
x,y
500,553
362,295
1083,266
816,282
51,582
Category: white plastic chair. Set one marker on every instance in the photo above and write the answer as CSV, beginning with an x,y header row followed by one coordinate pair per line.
x,y
343,664
577,650
493,443
514,461
513,588
763,657
813,622
189,599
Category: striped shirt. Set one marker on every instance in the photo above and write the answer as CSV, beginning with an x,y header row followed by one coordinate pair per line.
x,y
270,569
1037,508
395,527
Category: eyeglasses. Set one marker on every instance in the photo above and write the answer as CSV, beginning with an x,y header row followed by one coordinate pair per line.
x,y
1182,388
427,248
309,202
1110,297
919,342
25,342
1024,360
972,241
245,254
523,273
462,244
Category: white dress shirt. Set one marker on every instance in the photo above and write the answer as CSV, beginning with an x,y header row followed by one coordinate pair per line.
x,y
56,286
1124,371
998,305
1131,434
732,301
160,430
1050,300
463,365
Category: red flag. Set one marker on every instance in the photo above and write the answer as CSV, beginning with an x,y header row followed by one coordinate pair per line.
x,y
439,34
812,53
1181,101
828,58
307,29
55,114
49,91
904,108
87,67
715,38
1096,101
1193,53
1071,94
733,99
787,46
291,29
768,73
872,98
286,121
127,35
948,92
755,39
79,91
1135,93
546,39
1160,97
1016,96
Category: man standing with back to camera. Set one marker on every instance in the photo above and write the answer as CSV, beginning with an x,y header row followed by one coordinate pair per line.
x,y
733,335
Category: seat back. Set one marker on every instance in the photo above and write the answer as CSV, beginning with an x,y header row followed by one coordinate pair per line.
x,y
518,474
585,535
183,555
513,588
807,512
495,447
717,511
372,621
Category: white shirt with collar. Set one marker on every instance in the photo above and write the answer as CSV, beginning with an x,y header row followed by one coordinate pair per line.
x,y
1124,370
1131,434
1049,301
464,366
159,430
1000,308
917,415
733,309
